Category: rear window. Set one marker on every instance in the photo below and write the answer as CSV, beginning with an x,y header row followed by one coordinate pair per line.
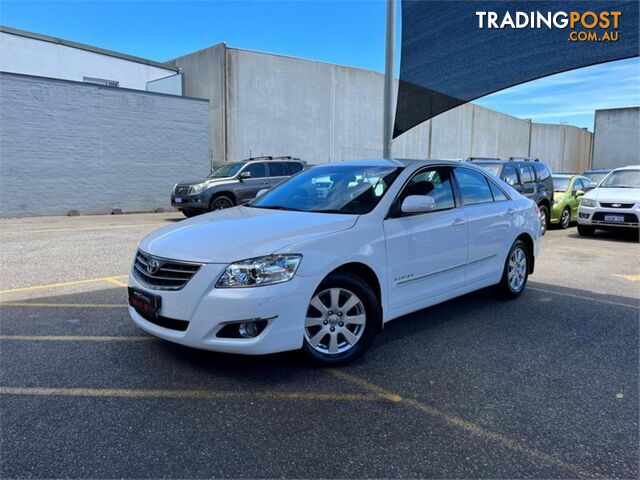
x,y
492,168
277,169
542,171
293,167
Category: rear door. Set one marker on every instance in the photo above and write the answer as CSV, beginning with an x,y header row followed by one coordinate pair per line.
x,y
277,173
490,216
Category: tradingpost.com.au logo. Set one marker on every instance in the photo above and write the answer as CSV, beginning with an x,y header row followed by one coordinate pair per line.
x,y
584,26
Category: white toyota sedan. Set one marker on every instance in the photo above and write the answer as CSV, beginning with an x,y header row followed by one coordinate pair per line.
x,y
322,261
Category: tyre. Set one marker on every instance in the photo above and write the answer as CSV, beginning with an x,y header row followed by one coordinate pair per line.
x,y
586,230
220,202
565,218
190,212
342,320
516,271
544,218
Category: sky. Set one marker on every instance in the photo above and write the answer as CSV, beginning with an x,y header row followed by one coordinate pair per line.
x,y
338,31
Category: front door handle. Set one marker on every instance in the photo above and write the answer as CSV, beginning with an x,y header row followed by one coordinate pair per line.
x,y
458,222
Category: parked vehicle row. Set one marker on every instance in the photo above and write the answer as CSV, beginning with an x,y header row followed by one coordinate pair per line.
x,y
323,260
233,184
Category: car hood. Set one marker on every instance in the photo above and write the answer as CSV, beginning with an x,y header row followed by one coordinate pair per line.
x,y
627,195
224,236
211,181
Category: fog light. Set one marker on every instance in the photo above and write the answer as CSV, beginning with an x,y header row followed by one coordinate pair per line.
x,y
248,330
584,215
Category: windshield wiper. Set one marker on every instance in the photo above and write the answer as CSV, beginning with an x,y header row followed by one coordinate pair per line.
x,y
278,207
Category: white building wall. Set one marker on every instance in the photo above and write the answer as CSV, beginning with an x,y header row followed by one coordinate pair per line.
x,y
617,138
29,56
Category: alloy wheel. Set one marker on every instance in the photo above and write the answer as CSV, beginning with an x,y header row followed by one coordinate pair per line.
x,y
335,321
517,271
566,218
543,219
221,204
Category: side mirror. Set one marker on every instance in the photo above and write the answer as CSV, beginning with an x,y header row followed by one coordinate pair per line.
x,y
244,175
579,193
510,181
418,204
261,192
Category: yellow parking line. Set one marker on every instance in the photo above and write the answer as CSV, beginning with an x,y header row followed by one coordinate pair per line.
x,y
189,394
465,425
80,229
62,284
631,278
63,305
76,338
114,281
583,297
593,250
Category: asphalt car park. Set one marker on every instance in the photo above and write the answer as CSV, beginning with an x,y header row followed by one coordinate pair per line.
x,y
544,386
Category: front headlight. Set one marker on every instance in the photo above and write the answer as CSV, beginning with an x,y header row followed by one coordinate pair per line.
x,y
587,202
255,272
194,189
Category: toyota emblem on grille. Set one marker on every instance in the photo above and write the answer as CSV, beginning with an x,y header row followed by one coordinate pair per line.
x,y
152,266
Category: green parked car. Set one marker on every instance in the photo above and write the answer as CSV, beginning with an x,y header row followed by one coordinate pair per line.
x,y
567,190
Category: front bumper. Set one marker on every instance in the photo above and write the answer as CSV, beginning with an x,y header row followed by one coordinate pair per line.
x,y
190,201
597,216
208,309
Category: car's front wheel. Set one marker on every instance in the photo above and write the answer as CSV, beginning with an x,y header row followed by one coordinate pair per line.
x,y
190,212
342,319
516,271
221,202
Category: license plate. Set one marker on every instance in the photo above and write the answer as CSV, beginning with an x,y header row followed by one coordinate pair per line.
x,y
146,304
614,218
178,199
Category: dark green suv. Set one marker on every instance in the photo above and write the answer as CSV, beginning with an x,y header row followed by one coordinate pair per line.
x,y
529,176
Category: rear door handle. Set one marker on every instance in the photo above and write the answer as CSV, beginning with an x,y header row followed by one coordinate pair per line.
x,y
458,222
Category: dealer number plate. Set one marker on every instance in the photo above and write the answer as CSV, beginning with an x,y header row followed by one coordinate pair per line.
x,y
614,218
178,199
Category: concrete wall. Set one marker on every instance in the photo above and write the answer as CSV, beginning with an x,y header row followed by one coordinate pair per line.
x,y
617,138
275,105
68,145
30,56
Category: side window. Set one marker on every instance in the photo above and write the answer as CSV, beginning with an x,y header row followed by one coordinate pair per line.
x,y
498,195
542,171
577,184
526,174
257,170
435,182
509,175
293,167
277,169
473,186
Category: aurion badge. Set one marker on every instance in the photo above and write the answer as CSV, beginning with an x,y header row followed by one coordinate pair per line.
x,y
152,266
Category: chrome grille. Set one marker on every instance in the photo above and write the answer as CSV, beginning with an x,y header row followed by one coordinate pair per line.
x,y
616,205
161,273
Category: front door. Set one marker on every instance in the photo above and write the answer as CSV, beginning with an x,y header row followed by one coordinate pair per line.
x,y
426,252
248,188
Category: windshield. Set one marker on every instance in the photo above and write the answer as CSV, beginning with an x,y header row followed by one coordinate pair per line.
x,y
228,170
622,179
561,184
331,189
493,168
596,177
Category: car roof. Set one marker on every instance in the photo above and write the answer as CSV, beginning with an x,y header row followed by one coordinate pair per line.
x,y
394,162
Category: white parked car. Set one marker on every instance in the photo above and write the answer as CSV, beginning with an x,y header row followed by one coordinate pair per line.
x,y
323,260
614,204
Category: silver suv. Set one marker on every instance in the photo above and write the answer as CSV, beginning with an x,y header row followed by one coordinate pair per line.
x,y
233,184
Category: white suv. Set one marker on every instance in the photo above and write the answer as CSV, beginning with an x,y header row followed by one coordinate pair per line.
x,y
323,260
613,204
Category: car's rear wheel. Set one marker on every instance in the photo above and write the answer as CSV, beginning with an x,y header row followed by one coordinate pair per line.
x,y
220,203
190,212
586,230
565,218
342,319
516,271
544,218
